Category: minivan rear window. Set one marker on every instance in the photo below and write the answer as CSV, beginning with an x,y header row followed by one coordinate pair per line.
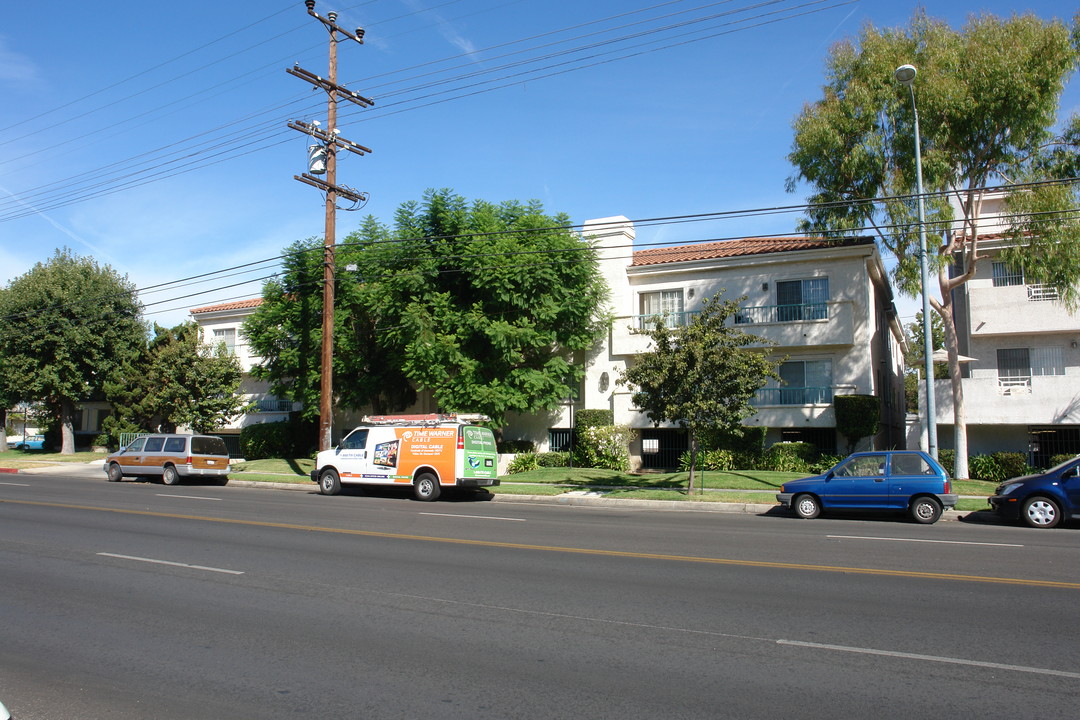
x,y
208,446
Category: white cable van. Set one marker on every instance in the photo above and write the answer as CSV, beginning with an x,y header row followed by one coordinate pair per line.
x,y
428,452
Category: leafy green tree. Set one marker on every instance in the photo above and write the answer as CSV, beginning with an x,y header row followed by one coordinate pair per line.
x,y
67,327
701,375
987,101
913,358
177,380
486,306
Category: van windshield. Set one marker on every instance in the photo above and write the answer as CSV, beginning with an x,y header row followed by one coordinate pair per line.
x,y
202,445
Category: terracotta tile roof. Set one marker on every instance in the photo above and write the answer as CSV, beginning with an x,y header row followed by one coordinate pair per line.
x,y
237,305
735,248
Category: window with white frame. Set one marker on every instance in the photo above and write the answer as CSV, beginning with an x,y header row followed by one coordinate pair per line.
x,y
664,304
226,336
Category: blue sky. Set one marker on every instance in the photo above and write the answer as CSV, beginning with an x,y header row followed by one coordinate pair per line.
x,y
152,136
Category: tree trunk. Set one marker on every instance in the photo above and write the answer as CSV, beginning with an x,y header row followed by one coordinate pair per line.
x,y
3,425
67,431
952,345
693,463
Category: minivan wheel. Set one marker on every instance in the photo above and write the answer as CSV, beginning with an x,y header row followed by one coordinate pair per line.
x,y
169,476
426,487
925,510
115,473
807,507
1040,512
329,482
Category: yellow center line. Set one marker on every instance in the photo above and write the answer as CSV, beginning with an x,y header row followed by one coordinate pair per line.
x,y
574,550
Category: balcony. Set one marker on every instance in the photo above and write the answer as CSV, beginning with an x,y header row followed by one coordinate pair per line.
x,y
1017,309
818,324
1038,400
792,396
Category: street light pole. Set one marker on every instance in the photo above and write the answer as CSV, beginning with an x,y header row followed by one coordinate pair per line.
x,y
905,75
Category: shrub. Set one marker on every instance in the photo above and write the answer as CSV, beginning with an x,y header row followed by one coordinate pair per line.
x,y
553,459
824,463
747,438
523,463
788,457
998,466
267,440
718,460
857,416
516,446
1060,458
947,460
593,418
605,447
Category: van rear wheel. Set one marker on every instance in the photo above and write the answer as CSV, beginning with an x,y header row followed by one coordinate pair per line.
x,y
426,487
169,476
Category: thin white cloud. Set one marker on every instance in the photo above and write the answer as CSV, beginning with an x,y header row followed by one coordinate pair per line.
x,y
97,252
16,68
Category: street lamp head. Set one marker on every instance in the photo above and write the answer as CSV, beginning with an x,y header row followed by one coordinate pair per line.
x,y
905,74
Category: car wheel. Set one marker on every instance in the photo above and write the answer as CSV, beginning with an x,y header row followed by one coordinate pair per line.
x,y
223,481
329,482
426,487
169,476
925,510
1040,512
115,473
807,507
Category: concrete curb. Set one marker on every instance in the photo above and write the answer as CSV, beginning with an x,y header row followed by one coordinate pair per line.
x,y
566,499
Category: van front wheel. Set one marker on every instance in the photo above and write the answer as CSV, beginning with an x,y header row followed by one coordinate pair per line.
x,y
329,482
426,487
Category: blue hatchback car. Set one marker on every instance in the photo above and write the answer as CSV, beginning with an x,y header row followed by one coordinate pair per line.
x,y
1042,500
904,480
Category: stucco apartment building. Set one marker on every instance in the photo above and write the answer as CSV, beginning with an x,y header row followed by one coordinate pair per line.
x,y
1022,384
827,305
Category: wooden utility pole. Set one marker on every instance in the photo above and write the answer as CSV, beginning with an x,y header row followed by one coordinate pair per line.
x,y
332,142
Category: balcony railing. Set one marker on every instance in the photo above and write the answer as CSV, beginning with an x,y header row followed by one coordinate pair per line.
x,y
273,405
645,323
1042,293
793,396
782,313
1014,386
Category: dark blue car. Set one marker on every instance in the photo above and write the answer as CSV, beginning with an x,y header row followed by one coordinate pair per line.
x,y
903,480
1042,500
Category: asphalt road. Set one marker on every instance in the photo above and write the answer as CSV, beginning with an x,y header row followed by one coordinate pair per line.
x,y
138,600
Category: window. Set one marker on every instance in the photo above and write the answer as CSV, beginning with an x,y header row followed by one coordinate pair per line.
x,y
1016,366
136,445
665,304
1006,275
154,444
355,441
909,464
226,336
805,382
802,299
175,444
